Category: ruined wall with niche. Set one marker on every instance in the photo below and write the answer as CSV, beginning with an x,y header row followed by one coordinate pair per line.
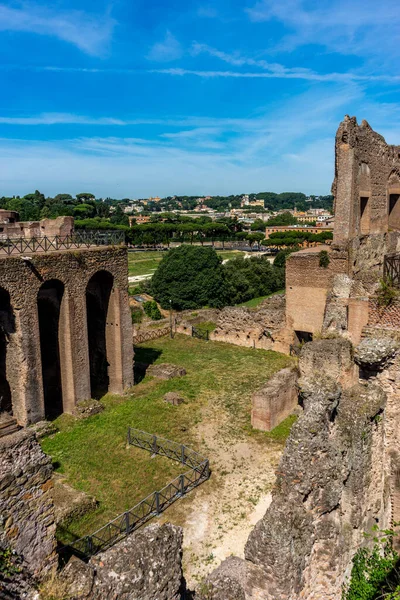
x,y
367,182
307,287
55,350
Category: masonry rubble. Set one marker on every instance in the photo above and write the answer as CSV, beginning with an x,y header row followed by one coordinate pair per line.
x,y
147,565
333,484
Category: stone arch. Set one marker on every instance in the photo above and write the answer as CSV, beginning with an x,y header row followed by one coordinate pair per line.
x,y
364,186
49,302
98,305
393,200
7,328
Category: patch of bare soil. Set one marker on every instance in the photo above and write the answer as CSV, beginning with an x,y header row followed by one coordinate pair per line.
x,y
218,517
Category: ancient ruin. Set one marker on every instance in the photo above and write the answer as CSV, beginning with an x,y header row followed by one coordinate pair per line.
x,y
65,330
340,295
66,336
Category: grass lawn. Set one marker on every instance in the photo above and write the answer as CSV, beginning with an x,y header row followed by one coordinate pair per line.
x,y
93,455
142,263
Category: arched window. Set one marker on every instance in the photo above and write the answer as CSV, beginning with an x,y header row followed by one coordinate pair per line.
x,y
49,300
98,293
7,327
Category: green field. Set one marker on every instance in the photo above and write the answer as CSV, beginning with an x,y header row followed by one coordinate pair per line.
x,y
93,454
143,263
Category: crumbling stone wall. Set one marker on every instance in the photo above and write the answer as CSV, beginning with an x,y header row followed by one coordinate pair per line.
x,y
147,565
333,484
26,504
276,400
255,328
367,179
307,288
22,277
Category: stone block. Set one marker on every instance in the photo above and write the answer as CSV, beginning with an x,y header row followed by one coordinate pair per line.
x,y
166,371
173,398
275,401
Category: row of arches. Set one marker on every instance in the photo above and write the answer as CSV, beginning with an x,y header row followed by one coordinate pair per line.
x,y
51,300
393,200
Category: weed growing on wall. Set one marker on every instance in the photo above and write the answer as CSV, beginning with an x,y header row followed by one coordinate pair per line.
x,y
324,259
387,293
376,571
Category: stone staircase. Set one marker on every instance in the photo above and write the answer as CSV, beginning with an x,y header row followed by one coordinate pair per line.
x,y
8,425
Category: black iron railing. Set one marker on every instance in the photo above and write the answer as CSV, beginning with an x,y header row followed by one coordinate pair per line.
x,y
152,505
391,269
201,334
61,242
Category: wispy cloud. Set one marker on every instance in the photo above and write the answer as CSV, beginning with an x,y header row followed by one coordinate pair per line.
x,y
59,119
269,70
346,26
279,148
90,33
167,50
285,74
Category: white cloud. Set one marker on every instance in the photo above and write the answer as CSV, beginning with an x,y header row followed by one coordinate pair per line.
x,y
59,119
284,74
346,26
167,50
90,33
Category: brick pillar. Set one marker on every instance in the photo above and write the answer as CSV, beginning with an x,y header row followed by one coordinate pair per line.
x,y
65,328
119,342
344,210
358,309
24,368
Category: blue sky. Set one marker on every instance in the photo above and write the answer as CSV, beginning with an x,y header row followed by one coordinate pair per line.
x,y
132,98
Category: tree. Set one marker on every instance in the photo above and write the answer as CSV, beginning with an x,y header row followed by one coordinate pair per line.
x,y
189,277
285,218
252,238
85,197
251,278
258,225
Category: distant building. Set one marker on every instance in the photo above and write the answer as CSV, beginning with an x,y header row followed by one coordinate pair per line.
x,y
12,227
139,220
155,199
285,228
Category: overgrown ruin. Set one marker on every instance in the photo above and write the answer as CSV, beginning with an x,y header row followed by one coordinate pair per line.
x,y
66,326
66,330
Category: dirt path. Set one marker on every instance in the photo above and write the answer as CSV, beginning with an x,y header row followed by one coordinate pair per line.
x,y
218,517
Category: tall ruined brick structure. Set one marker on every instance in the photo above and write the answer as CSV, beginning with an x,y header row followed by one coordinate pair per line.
x,y
65,330
367,182
338,296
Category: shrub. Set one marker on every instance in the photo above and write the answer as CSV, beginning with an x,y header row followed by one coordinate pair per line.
x,y
387,293
151,309
375,573
253,277
136,314
324,259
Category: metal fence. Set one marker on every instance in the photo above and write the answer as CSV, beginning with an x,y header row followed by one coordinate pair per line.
x,y
152,505
61,242
154,334
201,334
391,269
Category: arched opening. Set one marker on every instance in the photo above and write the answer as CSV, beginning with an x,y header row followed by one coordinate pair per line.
x,y
98,293
364,183
394,201
49,304
6,328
